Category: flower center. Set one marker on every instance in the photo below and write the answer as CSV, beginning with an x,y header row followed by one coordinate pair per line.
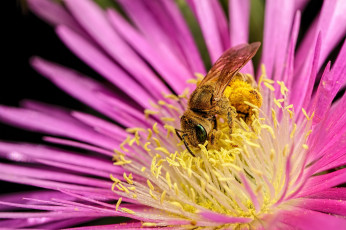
x,y
246,173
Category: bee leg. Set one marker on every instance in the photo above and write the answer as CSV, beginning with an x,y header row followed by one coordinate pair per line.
x,y
215,122
230,119
214,135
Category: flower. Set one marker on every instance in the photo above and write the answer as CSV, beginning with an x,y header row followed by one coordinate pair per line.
x,y
284,169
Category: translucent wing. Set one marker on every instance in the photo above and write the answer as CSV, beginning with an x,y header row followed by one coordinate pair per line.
x,y
230,62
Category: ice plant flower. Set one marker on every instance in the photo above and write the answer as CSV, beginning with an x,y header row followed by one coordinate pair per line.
x,y
283,170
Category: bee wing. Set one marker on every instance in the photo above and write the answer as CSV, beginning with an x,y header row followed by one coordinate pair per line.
x,y
230,62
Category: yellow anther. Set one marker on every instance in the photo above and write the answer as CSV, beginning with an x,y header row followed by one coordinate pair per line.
x,y
176,190
305,146
149,112
145,146
143,169
291,113
127,178
148,224
274,118
277,102
124,188
132,188
170,129
293,130
162,149
172,162
285,150
124,143
162,198
177,204
251,105
150,185
172,107
128,210
122,162
150,134
269,86
283,88
118,203
305,114
185,93
116,180
168,179
167,119
199,76
193,194
152,194
134,130
289,107
161,102
157,142
155,129
171,96
269,81
308,133
270,130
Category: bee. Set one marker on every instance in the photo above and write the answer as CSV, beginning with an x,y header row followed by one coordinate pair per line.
x,y
221,91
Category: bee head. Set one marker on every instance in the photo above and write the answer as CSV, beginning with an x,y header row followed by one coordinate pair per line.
x,y
195,128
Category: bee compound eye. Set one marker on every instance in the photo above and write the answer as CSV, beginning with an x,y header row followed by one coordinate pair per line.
x,y
201,133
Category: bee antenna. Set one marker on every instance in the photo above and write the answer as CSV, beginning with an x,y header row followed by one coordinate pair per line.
x,y
187,146
182,138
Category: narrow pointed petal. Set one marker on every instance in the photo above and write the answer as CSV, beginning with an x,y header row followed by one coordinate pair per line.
x,y
207,20
277,27
106,37
239,15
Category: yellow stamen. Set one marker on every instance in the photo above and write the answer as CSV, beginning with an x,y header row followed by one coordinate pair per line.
x,y
118,203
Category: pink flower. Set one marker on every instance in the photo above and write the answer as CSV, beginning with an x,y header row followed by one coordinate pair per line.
x,y
284,171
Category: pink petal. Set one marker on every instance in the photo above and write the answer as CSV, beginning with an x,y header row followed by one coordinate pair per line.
x,y
209,26
305,87
337,207
239,13
185,38
331,193
101,30
102,64
55,14
277,27
77,145
322,182
250,192
84,89
222,24
332,24
53,175
156,29
339,70
289,63
169,69
18,197
220,218
58,185
36,121
306,220
40,152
